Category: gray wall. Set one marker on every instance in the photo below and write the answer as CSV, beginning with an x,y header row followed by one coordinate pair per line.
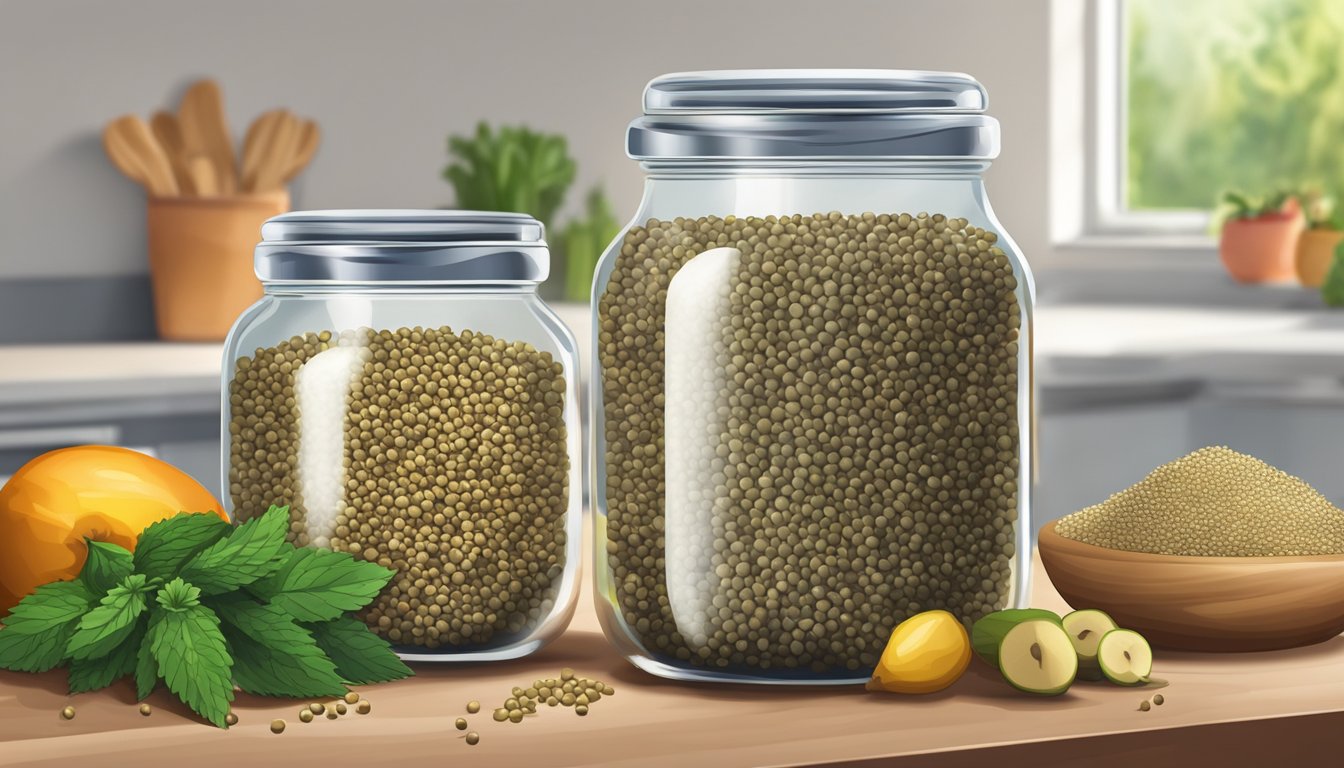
x,y
388,80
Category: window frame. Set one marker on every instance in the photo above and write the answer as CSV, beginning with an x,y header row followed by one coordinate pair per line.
x,y
1110,42
1088,151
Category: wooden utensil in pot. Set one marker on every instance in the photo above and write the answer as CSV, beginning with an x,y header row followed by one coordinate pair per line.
x,y
168,133
205,132
132,148
309,137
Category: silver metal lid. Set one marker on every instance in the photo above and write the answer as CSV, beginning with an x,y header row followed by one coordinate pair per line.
x,y
818,113
403,246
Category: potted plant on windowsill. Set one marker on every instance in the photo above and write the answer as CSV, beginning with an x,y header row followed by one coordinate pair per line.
x,y
1259,237
1316,246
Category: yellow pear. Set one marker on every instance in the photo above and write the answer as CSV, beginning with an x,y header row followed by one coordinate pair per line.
x,y
926,653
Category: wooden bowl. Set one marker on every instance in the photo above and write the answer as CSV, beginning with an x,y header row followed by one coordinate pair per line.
x,y
1220,604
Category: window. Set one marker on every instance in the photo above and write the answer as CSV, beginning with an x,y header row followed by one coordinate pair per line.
x,y
1186,100
1231,94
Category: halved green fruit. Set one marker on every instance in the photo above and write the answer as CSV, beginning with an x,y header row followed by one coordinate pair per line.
x,y
1124,657
1085,629
1037,656
988,633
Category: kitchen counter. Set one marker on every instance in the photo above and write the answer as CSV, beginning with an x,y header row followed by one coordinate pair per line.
x,y
1075,345
1280,708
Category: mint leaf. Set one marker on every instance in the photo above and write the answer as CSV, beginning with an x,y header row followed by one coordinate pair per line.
x,y
104,627
146,670
273,656
319,585
164,547
104,566
249,552
361,657
189,649
38,628
92,674
178,595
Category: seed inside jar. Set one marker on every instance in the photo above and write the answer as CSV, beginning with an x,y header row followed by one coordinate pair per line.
x,y
863,434
441,455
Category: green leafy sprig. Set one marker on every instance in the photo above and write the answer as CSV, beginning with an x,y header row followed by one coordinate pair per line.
x,y
204,606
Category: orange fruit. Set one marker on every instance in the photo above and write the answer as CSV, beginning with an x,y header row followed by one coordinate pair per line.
x,y
105,493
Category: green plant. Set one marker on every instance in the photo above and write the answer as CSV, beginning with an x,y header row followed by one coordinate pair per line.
x,y
1235,206
205,606
512,169
583,240
1332,290
1223,95
1319,209
518,169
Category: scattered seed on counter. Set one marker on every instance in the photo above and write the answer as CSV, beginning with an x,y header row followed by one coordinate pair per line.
x,y
473,738
568,690
352,698
1144,706
1158,699
306,715
364,707
461,724
277,726
331,714
317,707
871,363
473,707
147,710
340,708
231,719
68,713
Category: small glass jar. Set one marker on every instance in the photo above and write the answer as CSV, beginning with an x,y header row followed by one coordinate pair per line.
x,y
403,389
812,397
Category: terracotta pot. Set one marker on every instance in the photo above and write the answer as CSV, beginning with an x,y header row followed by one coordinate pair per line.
x,y
1315,254
200,261
1261,250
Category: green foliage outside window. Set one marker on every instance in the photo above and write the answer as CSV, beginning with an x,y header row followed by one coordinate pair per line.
x,y
1232,94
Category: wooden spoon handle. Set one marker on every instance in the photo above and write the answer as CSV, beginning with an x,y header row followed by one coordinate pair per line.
x,y
309,138
205,131
168,133
201,169
277,154
132,147
257,144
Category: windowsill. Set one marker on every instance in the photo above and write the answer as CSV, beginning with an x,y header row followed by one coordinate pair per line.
x,y
1187,246
1179,269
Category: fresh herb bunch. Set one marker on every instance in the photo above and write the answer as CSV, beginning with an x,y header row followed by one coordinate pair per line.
x,y
204,606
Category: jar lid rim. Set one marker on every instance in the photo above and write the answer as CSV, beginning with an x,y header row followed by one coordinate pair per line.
x,y
814,91
402,245
814,113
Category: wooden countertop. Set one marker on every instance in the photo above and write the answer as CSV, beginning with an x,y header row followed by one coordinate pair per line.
x,y
1253,709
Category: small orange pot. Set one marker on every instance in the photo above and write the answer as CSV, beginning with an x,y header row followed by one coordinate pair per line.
x,y
1261,250
200,261
1315,254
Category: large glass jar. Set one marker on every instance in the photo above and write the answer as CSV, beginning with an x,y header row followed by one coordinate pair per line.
x,y
812,397
403,389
